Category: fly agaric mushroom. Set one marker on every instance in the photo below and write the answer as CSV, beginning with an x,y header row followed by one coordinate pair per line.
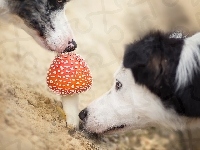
x,y
68,76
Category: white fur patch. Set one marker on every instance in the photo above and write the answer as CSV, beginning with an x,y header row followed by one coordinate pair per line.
x,y
58,38
133,106
189,60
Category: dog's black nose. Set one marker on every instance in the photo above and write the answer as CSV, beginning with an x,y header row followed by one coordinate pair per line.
x,y
71,46
83,114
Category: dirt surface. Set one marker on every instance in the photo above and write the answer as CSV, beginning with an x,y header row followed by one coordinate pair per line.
x,y
32,117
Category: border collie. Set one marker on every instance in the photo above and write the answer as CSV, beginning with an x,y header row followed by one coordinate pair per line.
x,y
158,83
44,20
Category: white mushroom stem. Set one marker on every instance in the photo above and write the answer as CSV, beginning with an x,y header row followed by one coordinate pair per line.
x,y
70,107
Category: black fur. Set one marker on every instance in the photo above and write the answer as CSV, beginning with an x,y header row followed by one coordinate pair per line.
x,y
36,13
153,61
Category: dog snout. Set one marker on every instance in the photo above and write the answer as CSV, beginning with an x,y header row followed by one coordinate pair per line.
x,y
71,46
83,114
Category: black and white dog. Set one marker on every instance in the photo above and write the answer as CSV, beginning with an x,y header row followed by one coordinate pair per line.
x,y
44,20
158,83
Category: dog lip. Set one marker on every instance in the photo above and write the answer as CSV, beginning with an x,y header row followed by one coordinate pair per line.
x,y
42,41
113,128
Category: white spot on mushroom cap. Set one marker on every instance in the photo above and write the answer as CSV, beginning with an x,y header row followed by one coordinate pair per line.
x,y
62,68
66,62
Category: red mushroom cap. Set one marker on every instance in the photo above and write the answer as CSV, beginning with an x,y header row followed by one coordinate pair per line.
x,y
69,74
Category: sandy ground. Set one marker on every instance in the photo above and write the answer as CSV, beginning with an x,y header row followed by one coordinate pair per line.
x,y
32,117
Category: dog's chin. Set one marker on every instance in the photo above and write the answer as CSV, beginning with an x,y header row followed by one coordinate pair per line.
x,y
43,43
40,40
117,129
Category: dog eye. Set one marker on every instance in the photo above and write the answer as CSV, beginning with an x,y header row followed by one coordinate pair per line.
x,y
118,85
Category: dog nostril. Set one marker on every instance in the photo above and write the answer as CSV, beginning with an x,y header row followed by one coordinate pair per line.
x,y
83,114
72,46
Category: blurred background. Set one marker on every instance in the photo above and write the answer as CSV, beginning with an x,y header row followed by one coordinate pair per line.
x,y
32,117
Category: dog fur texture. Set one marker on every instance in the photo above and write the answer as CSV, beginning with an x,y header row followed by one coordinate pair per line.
x,y
158,83
44,20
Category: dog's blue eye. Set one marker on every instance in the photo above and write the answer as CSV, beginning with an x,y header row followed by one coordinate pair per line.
x,y
118,85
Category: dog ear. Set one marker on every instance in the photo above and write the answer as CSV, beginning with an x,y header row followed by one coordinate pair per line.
x,y
137,54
